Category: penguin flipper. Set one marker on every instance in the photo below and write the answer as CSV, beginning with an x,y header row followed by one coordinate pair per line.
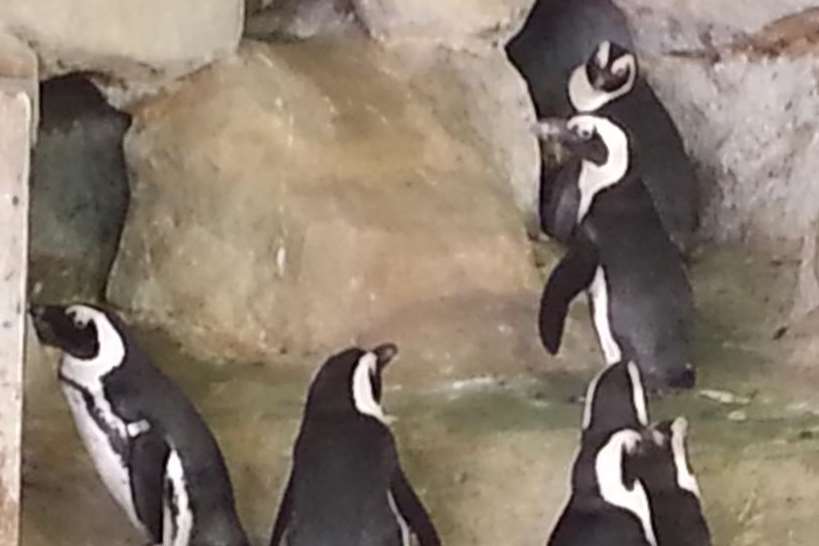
x,y
148,456
560,201
283,517
411,509
572,275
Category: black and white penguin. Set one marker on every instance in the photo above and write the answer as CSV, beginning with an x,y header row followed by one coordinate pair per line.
x,y
346,486
557,36
619,252
672,488
609,84
148,443
607,505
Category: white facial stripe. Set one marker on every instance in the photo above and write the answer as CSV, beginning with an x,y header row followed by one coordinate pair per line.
x,y
600,313
595,178
587,98
176,532
588,409
87,372
626,62
603,53
608,466
363,387
637,393
685,479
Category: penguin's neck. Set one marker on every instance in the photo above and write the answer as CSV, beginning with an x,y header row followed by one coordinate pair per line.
x,y
595,178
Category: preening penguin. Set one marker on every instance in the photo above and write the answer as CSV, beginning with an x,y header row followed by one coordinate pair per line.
x,y
608,84
346,486
148,443
672,488
556,37
607,504
619,252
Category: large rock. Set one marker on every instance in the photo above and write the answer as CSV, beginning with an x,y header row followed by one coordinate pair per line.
x,y
297,19
453,22
303,196
145,41
741,86
79,191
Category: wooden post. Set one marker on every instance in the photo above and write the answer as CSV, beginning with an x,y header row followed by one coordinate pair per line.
x,y
15,127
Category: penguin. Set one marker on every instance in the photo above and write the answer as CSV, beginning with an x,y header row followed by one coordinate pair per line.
x,y
673,490
609,84
608,505
149,445
346,486
557,36
619,253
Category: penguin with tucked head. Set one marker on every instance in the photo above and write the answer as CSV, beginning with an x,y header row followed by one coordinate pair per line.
x,y
608,84
608,505
557,36
346,486
673,491
149,445
620,254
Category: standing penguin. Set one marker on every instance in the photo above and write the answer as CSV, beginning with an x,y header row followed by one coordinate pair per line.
x,y
148,443
607,505
346,486
641,301
672,488
556,37
609,84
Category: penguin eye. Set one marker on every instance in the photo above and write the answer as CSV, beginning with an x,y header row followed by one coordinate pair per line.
x,y
80,322
585,133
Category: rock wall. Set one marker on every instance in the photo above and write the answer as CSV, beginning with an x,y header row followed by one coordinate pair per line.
x,y
304,196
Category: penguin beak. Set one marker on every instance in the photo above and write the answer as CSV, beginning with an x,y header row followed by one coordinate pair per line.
x,y
384,353
45,317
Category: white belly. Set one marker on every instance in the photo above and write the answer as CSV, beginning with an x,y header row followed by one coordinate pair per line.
x,y
176,507
110,467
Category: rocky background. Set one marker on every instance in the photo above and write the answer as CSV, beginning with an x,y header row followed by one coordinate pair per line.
x,y
270,180
355,169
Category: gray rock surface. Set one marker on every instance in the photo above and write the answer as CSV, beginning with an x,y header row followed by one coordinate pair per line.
x,y
298,19
133,43
79,191
305,195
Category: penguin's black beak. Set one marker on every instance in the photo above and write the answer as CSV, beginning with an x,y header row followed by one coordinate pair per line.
x,y
385,353
47,321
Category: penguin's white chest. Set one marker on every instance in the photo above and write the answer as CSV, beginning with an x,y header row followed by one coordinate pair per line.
x,y
110,465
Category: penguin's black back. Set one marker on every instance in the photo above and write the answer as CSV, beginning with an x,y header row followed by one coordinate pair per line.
x,y
140,391
559,35
343,466
666,170
604,526
650,298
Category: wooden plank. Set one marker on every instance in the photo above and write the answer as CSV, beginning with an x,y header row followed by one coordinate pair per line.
x,y
15,120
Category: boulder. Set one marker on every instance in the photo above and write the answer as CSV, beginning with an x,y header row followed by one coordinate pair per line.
x,y
304,196
297,19
452,22
133,43
79,191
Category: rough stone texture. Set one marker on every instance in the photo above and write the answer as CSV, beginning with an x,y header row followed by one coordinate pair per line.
x,y
79,191
305,195
453,22
150,40
298,19
660,26
18,72
15,111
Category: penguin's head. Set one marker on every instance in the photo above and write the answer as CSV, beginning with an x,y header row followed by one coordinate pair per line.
x,y
609,73
350,382
615,399
663,461
83,332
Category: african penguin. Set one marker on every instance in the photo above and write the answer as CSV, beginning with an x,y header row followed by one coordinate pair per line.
x,y
609,84
557,36
662,465
619,253
148,443
607,505
346,486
